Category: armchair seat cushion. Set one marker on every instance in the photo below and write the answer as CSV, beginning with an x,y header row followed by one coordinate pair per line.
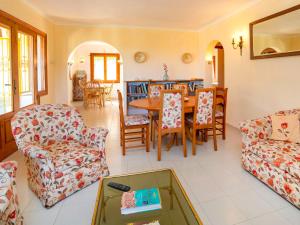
x,y
72,154
281,154
132,120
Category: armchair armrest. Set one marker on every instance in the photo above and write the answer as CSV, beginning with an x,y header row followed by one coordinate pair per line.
x,y
94,136
255,130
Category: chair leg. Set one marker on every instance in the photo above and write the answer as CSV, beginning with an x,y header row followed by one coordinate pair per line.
x,y
123,142
215,138
143,135
184,143
194,141
147,139
159,147
153,136
223,128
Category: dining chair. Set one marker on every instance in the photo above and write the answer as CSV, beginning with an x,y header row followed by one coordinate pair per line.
x,y
108,93
221,96
133,128
204,115
182,86
154,91
171,118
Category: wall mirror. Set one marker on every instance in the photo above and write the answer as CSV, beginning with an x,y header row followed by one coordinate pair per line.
x,y
276,35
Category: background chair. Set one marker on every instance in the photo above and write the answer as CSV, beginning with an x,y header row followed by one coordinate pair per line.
x,y
221,96
204,115
133,128
183,87
9,205
154,91
108,93
62,154
171,118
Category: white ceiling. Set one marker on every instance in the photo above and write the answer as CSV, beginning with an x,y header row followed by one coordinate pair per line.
x,y
174,14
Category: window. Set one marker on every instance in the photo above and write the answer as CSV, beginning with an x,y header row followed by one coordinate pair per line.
x,y
23,64
105,67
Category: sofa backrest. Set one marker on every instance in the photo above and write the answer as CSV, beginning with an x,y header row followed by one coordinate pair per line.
x,y
44,123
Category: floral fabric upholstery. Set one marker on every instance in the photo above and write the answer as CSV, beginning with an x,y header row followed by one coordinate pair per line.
x,y
183,87
154,90
205,108
276,163
62,154
132,120
172,109
9,205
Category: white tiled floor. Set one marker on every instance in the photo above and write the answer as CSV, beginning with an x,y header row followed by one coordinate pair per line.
x,y
220,190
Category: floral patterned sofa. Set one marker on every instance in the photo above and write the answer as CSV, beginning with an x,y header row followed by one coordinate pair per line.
x,y
276,163
62,154
9,205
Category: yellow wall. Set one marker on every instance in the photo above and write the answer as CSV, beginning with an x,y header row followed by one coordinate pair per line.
x,y
18,9
256,87
161,46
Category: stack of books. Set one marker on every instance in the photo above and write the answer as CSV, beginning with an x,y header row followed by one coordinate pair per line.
x,y
140,201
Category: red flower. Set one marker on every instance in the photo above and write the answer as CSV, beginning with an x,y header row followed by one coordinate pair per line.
x,y
35,122
84,131
48,174
287,189
17,131
79,175
68,114
79,161
80,184
36,137
12,215
261,135
204,101
75,124
49,113
277,162
58,175
270,182
254,173
284,125
93,137
297,158
172,103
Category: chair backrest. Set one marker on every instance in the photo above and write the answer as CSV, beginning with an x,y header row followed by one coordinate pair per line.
x,y
121,111
82,84
171,115
43,124
155,89
205,107
221,94
183,87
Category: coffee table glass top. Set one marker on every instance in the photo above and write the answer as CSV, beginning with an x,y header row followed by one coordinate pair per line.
x,y
176,207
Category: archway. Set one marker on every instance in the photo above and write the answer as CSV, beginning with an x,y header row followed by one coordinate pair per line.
x,y
79,62
215,57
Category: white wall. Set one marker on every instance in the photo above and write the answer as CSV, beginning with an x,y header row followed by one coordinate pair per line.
x,y
256,87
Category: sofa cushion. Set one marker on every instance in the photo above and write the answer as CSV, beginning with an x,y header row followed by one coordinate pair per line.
x,y
282,154
72,154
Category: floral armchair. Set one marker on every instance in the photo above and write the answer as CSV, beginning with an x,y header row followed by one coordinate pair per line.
x,y
9,205
276,163
62,154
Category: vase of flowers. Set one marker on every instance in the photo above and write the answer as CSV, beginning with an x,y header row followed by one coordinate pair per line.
x,y
166,76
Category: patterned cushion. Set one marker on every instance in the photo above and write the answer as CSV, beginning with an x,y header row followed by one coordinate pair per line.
x,y
155,90
205,108
284,155
172,109
72,154
132,120
183,87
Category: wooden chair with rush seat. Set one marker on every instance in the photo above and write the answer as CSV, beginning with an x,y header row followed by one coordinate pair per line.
x,y
133,128
183,87
204,115
171,118
154,92
221,95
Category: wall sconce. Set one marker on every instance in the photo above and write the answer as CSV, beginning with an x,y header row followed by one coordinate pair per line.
x,y
208,58
238,45
82,60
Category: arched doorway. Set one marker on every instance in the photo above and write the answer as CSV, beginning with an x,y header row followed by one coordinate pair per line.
x,y
215,56
80,62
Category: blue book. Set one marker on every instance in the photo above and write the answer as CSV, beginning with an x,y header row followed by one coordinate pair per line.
x,y
140,201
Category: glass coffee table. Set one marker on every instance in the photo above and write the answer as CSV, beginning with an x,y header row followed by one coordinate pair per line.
x,y
176,206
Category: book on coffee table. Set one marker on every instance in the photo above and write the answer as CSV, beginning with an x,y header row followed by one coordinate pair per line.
x,y
143,223
140,201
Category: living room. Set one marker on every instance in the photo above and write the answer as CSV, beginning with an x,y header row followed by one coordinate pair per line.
x,y
159,43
